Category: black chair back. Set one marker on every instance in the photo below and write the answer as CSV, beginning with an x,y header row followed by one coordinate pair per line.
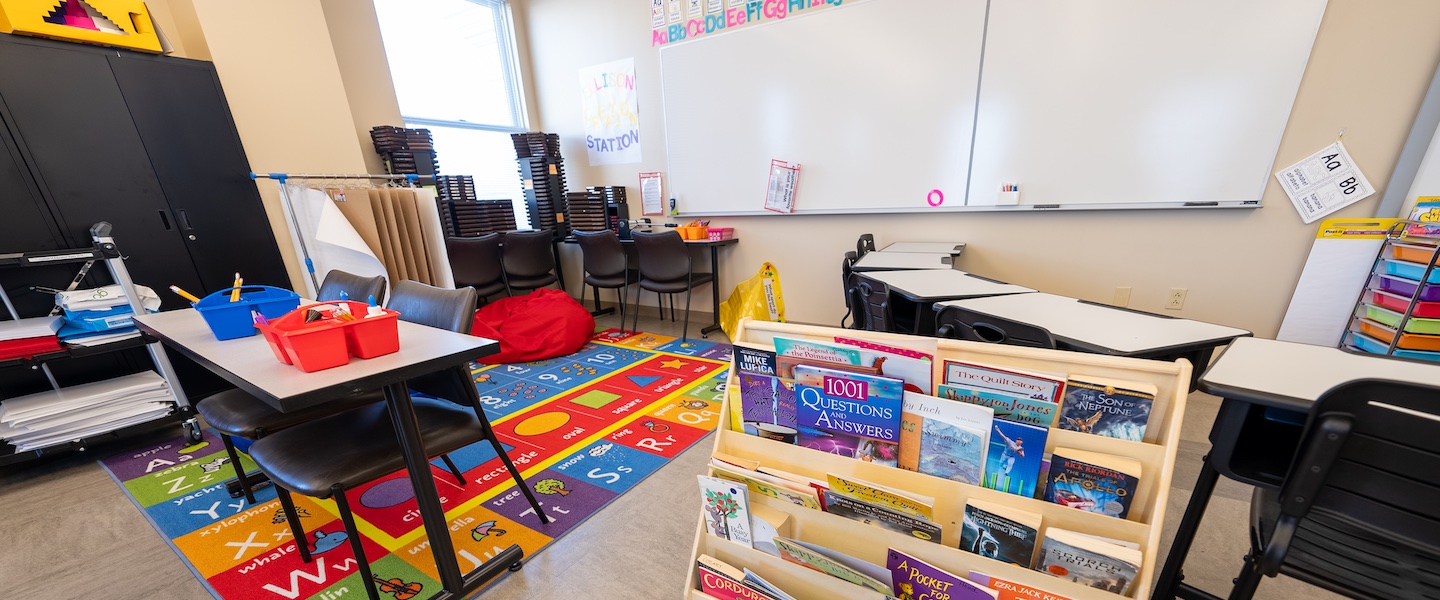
x,y
866,243
873,300
847,283
663,255
957,323
602,252
452,310
1358,511
356,287
528,253
475,260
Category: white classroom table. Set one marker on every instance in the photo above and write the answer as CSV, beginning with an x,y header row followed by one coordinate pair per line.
x,y
880,260
928,286
1293,375
951,248
1102,329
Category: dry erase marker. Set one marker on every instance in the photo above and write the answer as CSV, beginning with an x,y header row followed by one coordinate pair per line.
x,y
184,294
235,293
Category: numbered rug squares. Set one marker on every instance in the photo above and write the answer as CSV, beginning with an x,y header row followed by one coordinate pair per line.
x,y
582,428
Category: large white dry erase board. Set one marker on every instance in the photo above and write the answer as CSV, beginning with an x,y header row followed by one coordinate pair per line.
x,y
1084,103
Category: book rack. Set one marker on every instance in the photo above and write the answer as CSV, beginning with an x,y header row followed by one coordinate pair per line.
x,y
1143,525
1398,312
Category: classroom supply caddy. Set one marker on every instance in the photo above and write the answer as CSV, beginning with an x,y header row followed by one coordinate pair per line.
x,y
232,320
1398,313
716,234
865,542
330,342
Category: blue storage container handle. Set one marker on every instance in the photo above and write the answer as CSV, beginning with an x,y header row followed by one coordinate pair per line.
x,y
281,293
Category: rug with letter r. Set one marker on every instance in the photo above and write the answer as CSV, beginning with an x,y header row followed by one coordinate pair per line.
x,y
582,429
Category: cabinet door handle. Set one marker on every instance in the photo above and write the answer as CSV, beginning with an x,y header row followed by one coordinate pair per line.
x,y
165,220
184,220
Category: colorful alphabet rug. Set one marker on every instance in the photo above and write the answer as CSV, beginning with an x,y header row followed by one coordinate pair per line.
x,y
582,429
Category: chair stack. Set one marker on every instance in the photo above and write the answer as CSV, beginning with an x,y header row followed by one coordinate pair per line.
x,y
587,211
406,151
470,219
542,172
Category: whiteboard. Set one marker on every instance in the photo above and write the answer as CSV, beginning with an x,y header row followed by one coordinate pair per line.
x,y
1138,101
871,132
1087,104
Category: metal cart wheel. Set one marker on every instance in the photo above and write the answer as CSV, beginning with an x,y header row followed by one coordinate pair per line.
x,y
193,433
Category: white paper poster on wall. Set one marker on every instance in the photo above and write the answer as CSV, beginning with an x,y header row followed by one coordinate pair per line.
x,y
676,15
1324,182
713,6
657,14
611,113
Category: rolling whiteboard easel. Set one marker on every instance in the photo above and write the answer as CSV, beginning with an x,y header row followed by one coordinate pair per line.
x,y
1085,103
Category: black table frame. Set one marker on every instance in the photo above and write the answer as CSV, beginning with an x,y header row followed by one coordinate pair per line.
x,y
407,427
714,246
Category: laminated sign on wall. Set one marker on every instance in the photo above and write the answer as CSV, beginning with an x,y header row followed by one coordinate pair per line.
x,y
1324,182
611,113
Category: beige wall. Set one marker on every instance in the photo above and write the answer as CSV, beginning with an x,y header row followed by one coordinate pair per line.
x,y
1371,64
360,53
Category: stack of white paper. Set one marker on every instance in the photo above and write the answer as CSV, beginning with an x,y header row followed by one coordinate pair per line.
x,y
102,298
101,339
74,413
33,327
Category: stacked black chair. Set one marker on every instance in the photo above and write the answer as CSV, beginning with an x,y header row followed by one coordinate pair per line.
x,y
606,266
475,262
667,268
1357,512
957,323
529,260
325,457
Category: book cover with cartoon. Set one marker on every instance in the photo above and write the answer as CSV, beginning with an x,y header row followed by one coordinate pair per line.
x,y
1114,409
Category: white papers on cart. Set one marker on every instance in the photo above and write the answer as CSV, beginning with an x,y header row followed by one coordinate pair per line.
x,y
106,297
33,327
1324,182
74,413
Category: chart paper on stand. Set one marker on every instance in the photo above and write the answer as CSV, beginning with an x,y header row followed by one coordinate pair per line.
x,y
1324,182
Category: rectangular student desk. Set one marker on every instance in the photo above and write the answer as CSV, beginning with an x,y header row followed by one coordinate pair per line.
x,y
249,364
951,248
1086,326
714,247
1267,388
881,260
924,288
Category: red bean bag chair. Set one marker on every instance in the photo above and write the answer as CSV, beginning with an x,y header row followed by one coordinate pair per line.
x,y
542,324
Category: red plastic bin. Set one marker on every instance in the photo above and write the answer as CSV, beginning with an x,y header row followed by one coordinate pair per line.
x,y
327,344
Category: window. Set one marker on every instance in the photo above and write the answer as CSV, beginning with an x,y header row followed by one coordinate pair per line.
x,y
455,72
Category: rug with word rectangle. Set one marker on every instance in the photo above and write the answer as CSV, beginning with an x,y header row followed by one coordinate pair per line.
x,y
582,429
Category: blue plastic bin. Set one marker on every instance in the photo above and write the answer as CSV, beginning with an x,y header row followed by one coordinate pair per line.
x,y
231,320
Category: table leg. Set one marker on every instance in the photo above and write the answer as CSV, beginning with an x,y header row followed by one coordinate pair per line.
x,y
714,291
1168,584
407,428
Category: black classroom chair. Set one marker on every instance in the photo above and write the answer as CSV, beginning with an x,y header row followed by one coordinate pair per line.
x,y
606,266
667,268
476,263
848,281
865,244
357,288
529,260
325,457
875,311
1357,512
960,324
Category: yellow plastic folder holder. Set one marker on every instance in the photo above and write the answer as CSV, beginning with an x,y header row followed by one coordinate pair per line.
x,y
123,23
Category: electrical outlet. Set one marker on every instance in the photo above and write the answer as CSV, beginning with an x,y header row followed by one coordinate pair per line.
x,y
1177,298
1122,296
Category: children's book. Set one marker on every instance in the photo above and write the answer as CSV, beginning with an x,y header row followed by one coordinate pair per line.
x,y
1010,590
821,351
1000,532
1088,561
1006,406
730,459
726,506
766,524
849,446
944,438
1092,481
767,485
767,404
1109,407
754,360
819,485
1046,387
848,404
720,567
721,585
882,516
914,579
899,500
911,363
757,582
836,564
1012,463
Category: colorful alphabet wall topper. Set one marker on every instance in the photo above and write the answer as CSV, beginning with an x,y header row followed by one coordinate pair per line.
x,y
611,113
713,18
123,23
